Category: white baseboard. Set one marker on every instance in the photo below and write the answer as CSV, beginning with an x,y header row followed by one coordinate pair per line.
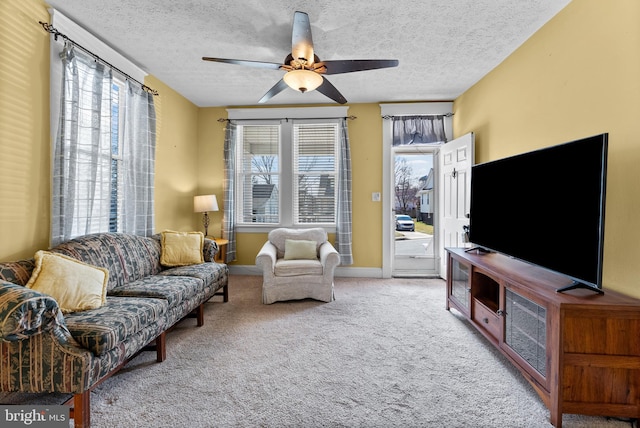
x,y
347,272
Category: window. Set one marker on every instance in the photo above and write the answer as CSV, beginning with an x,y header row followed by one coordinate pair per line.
x,y
314,173
287,173
259,171
116,202
104,127
103,153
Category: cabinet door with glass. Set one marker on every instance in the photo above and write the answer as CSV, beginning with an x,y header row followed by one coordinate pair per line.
x,y
459,286
525,333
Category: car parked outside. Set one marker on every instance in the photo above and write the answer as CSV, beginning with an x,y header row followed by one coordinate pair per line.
x,y
404,222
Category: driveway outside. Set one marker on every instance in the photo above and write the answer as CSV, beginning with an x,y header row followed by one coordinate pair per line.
x,y
415,244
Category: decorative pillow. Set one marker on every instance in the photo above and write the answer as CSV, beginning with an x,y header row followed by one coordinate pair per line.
x,y
75,285
295,249
181,248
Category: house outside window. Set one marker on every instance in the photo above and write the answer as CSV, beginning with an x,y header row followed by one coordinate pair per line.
x,y
287,173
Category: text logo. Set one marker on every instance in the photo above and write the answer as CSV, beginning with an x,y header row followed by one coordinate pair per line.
x,y
34,416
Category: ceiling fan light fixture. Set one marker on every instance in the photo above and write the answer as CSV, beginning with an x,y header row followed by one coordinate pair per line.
x,y
303,80
304,71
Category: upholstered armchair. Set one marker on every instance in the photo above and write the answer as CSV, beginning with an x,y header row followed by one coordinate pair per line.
x,y
297,264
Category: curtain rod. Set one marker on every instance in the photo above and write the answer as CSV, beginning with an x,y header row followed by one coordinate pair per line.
x,y
222,119
418,115
51,29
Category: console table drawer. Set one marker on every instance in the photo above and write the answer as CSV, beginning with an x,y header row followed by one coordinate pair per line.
x,y
487,319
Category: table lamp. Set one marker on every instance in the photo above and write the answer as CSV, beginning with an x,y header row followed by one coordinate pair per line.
x,y
204,204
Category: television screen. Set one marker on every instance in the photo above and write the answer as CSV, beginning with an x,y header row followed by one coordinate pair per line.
x,y
545,207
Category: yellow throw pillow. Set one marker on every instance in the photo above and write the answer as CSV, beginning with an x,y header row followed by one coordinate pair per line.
x,y
75,285
300,249
181,248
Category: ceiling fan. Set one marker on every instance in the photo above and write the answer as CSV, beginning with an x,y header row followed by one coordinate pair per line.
x,y
304,70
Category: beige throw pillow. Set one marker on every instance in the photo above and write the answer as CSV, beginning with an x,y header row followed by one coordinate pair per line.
x,y
295,249
75,285
181,248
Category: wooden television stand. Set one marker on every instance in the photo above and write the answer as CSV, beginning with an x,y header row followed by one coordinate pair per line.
x,y
579,350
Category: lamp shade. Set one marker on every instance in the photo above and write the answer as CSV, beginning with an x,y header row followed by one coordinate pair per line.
x,y
205,203
303,80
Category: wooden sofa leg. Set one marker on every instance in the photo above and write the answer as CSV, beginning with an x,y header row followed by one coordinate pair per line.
x,y
82,410
161,347
225,293
200,314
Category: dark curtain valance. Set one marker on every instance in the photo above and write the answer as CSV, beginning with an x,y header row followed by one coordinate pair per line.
x,y
418,130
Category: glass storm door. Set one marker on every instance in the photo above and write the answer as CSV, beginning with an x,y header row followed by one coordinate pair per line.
x,y
414,207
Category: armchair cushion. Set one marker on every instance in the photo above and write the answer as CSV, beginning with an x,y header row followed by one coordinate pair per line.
x,y
279,236
75,285
298,267
295,249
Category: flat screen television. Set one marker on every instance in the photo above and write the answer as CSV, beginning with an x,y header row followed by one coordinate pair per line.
x,y
545,207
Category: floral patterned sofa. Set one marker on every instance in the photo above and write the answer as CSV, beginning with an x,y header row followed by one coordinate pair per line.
x,y
45,350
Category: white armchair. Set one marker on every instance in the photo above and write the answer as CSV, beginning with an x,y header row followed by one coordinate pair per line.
x,y
297,264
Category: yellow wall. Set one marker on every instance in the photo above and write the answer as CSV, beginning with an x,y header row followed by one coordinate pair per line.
x,y
365,138
176,177
24,129
578,76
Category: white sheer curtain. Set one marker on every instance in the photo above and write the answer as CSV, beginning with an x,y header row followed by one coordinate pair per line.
x,y
102,178
344,213
82,149
138,161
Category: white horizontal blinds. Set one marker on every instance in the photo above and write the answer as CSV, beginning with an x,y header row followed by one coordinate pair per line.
x,y
314,172
259,174
116,196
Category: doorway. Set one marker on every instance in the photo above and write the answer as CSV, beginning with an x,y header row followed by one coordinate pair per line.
x,y
414,205
389,152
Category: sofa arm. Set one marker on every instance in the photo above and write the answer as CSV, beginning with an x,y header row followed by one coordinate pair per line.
x,y
25,312
266,258
209,250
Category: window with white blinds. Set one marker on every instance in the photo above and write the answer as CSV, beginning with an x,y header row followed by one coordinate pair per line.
x,y
116,201
287,173
314,172
259,172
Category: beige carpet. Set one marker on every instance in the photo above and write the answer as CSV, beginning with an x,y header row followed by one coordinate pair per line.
x,y
386,353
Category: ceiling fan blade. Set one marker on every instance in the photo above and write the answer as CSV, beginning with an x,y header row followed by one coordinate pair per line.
x,y
351,65
301,40
330,91
257,64
277,88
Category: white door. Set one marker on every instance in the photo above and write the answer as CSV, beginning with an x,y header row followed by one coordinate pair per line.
x,y
455,160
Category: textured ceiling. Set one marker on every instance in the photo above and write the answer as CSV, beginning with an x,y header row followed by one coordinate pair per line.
x,y
443,46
